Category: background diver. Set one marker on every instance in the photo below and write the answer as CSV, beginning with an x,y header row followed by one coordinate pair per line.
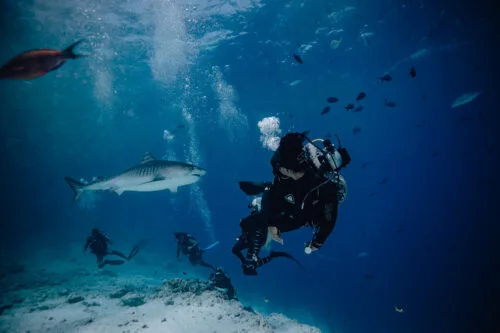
x,y
306,190
254,236
220,280
98,244
189,247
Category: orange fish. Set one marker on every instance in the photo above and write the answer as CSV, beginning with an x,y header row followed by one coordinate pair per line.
x,y
35,63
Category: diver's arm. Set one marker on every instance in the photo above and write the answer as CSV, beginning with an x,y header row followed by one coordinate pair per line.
x,y
192,243
328,219
87,243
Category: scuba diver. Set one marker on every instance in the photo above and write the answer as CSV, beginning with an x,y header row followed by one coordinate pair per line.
x,y
220,280
189,247
98,243
254,236
306,190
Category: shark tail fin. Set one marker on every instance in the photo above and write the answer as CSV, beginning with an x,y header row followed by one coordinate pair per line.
x,y
76,187
210,246
277,254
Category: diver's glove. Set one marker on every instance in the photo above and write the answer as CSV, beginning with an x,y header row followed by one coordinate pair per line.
x,y
310,247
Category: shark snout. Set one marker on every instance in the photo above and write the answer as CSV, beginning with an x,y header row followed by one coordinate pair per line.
x,y
198,172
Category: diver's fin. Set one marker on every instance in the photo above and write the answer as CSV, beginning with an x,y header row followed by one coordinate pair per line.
x,y
210,246
276,254
253,188
136,248
76,187
68,52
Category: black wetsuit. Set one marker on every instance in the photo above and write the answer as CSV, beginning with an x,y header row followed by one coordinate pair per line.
x,y
309,201
253,237
220,280
98,244
189,247
288,205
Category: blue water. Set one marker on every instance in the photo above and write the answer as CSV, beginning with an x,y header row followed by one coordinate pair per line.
x,y
416,230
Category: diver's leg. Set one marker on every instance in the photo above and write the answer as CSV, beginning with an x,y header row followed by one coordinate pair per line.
x,y
119,254
100,259
133,252
252,259
204,264
112,263
256,242
240,246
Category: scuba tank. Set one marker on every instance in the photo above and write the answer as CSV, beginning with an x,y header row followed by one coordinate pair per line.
x,y
328,162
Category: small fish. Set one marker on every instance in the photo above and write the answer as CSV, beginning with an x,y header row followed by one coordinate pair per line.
x,y
294,83
386,78
35,63
325,110
389,103
328,135
298,58
360,96
356,130
359,108
399,309
332,100
266,300
384,181
364,165
349,107
368,276
413,72
465,98
334,44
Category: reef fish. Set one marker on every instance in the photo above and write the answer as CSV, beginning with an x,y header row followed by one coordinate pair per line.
x,y
465,98
35,63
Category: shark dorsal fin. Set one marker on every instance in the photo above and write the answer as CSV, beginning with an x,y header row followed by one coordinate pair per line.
x,y
148,157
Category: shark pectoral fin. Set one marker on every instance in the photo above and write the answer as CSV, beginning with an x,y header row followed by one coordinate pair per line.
x,y
158,178
119,191
173,189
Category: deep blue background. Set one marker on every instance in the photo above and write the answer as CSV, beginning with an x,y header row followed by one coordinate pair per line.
x,y
429,230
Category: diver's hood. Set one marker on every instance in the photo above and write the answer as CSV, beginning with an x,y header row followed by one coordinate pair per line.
x,y
289,153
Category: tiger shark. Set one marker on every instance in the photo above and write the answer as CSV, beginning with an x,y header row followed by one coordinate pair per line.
x,y
148,176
